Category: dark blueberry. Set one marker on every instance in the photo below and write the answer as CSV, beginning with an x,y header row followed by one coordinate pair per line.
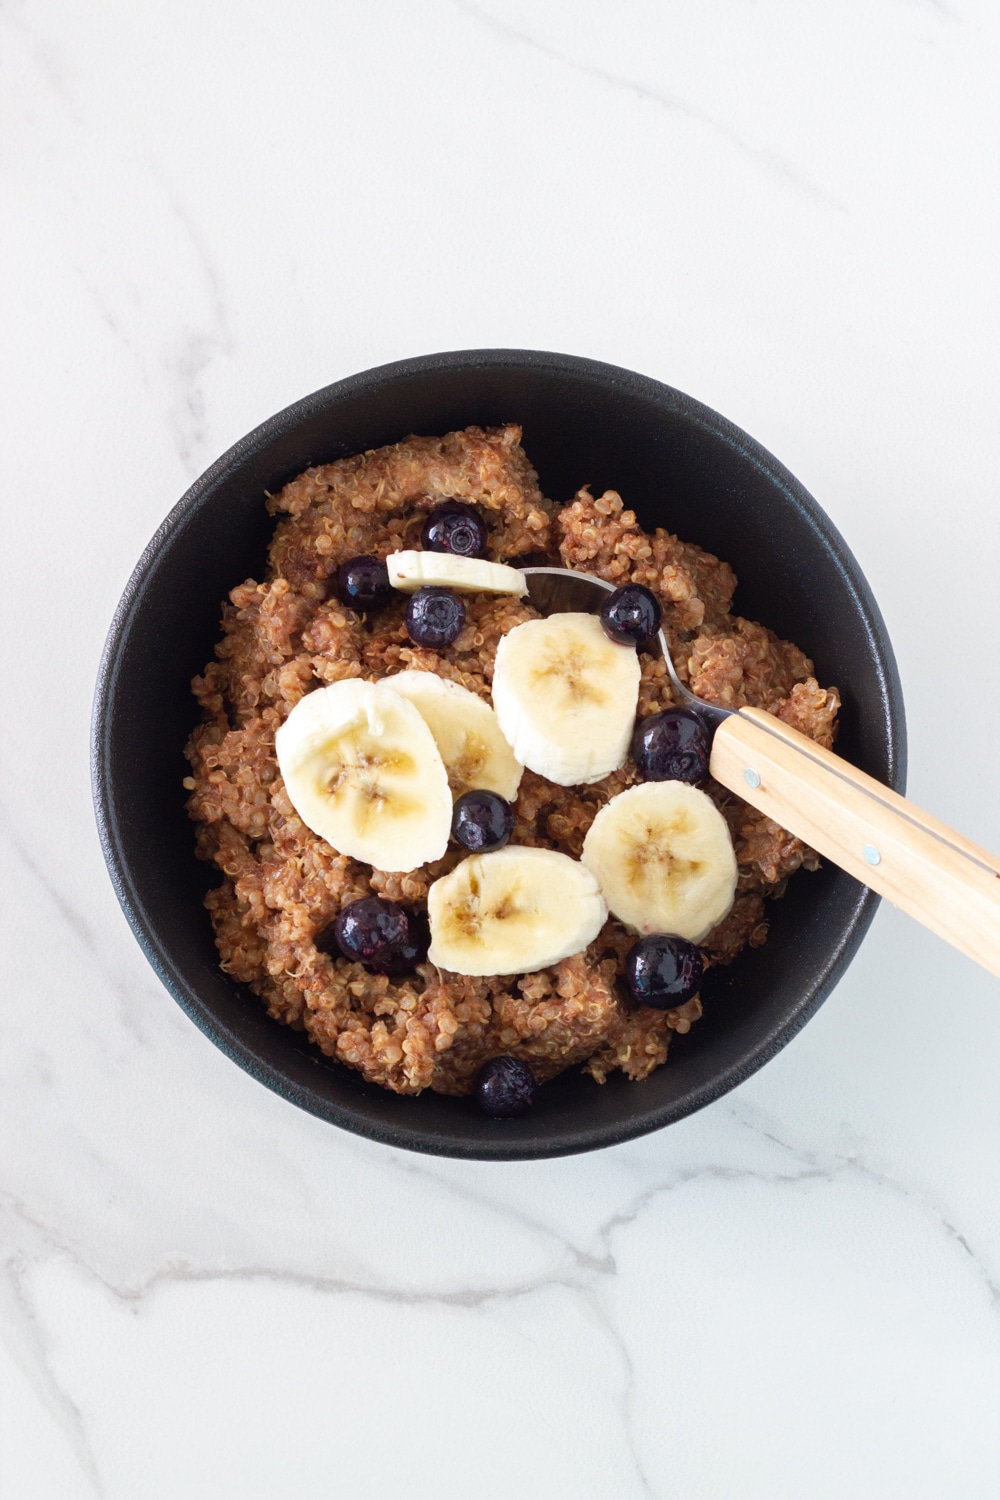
x,y
434,617
631,615
382,934
412,950
363,582
663,971
482,821
672,746
505,1086
370,929
455,527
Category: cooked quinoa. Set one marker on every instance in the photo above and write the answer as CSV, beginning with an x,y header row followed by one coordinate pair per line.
x,y
283,885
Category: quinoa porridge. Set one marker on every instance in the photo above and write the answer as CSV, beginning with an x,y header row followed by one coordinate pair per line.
x,y
283,885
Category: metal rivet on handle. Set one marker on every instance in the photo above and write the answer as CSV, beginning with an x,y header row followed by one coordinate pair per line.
x,y
751,777
871,854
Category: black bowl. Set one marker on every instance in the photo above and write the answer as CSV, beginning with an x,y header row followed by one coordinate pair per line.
x,y
679,465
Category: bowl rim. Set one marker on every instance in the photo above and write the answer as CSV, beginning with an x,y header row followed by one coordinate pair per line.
x,y
142,923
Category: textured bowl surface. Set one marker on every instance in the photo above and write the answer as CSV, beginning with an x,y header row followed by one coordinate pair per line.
x,y
677,464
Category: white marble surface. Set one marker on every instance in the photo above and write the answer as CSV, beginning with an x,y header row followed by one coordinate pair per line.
x,y
210,209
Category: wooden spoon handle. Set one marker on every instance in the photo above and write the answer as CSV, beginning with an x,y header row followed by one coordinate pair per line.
x,y
918,863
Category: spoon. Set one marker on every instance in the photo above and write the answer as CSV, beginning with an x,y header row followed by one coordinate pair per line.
x,y
922,866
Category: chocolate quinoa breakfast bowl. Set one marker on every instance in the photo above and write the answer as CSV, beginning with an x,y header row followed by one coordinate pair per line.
x,y
520,459
286,886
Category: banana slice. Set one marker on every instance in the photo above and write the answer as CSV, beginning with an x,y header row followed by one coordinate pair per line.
x,y
513,912
663,857
466,732
410,571
362,770
565,697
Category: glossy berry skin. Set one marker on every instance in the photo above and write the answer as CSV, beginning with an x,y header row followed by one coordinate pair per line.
x,y
455,527
663,971
505,1086
434,617
363,583
672,746
412,950
381,934
482,821
631,615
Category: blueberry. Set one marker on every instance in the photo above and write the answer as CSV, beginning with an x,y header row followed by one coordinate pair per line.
x,y
455,527
482,821
663,971
363,582
631,615
412,950
382,934
434,617
505,1086
672,746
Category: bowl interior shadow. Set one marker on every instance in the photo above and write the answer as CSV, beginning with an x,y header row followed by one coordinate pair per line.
x,y
678,465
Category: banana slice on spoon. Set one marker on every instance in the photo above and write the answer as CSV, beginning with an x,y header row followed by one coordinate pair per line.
x,y
409,571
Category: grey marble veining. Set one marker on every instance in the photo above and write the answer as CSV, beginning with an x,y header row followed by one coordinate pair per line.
x,y
770,160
